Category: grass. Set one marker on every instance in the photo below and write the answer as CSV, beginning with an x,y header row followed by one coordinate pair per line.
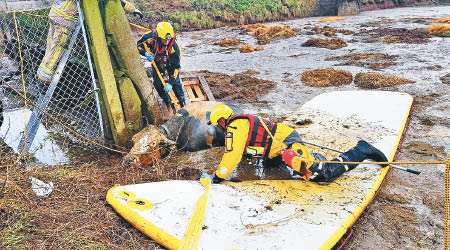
x,y
201,14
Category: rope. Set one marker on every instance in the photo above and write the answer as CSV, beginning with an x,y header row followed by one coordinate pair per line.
x,y
140,27
23,86
447,206
384,163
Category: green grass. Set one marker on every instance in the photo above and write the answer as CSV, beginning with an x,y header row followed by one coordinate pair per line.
x,y
201,14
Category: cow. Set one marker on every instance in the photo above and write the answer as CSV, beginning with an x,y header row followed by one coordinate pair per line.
x,y
187,130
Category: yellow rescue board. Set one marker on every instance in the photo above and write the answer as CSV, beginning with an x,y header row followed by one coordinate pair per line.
x,y
279,214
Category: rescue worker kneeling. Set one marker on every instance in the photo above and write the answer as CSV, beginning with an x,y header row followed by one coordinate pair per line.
x,y
244,133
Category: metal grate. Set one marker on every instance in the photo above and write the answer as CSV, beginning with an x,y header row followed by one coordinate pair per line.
x,y
63,110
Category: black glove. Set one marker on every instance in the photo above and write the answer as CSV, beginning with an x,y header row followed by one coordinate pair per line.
x,y
217,179
138,13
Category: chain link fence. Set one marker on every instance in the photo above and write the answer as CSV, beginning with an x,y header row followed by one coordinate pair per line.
x,y
51,116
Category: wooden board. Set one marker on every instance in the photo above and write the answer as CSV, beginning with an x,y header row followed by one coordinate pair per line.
x,y
279,214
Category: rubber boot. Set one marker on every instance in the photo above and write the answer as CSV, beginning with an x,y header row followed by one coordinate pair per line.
x,y
363,150
326,172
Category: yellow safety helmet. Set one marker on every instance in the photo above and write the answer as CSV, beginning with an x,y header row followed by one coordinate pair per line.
x,y
165,30
220,111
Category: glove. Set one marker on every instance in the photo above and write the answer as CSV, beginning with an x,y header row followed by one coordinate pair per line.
x,y
214,179
288,155
149,56
138,13
168,88
205,175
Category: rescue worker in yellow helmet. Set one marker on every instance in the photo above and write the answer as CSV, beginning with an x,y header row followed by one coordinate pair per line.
x,y
160,44
246,134
63,18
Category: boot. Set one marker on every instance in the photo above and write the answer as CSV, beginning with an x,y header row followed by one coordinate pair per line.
x,y
326,172
363,150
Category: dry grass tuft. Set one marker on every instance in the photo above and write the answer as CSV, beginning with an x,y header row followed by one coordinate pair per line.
x,y
330,19
375,80
335,43
330,31
227,42
265,34
442,20
439,30
446,79
373,61
249,48
326,77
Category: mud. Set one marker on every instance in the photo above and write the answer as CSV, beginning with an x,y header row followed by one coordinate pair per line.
x,y
335,43
326,77
407,212
375,80
375,61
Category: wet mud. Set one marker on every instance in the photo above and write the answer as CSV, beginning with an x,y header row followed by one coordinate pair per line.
x,y
407,212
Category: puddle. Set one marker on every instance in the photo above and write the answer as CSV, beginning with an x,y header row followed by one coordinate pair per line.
x,y
44,149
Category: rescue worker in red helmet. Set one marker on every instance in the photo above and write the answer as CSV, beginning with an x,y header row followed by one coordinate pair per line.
x,y
160,44
246,133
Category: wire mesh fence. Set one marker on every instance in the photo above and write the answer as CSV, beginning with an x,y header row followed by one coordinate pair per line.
x,y
45,116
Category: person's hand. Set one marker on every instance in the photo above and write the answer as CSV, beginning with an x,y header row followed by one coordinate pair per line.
x,y
149,56
168,88
138,13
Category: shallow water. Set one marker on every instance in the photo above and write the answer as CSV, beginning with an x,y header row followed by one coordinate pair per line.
x,y
44,149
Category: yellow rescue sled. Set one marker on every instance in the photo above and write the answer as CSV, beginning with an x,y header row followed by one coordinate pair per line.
x,y
277,214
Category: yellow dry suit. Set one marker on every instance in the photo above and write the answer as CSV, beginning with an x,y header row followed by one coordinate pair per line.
x,y
245,134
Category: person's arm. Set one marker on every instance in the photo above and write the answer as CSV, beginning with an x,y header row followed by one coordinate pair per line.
x,y
175,59
233,154
130,8
144,39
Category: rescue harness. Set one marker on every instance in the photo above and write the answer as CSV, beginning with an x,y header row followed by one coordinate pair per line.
x,y
259,140
161,54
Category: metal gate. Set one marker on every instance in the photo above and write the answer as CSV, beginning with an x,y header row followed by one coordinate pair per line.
x,y
42,118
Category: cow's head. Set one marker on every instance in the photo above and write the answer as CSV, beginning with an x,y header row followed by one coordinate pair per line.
x,y
149,145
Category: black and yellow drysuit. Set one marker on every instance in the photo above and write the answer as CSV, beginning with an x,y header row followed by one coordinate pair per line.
x,y
245,134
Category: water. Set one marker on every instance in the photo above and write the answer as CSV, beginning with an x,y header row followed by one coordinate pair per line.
x,y
43,148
